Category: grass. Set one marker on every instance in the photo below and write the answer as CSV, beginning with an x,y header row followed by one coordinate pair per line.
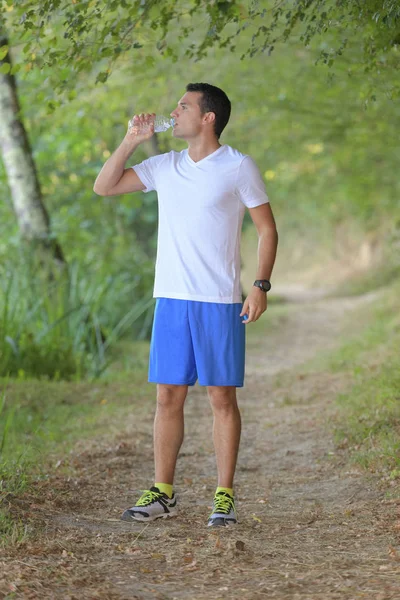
x,y
368,421
377,277
65,328
42,420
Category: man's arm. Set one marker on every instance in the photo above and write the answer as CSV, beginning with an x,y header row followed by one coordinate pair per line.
x,y
256,302
114,178
264,221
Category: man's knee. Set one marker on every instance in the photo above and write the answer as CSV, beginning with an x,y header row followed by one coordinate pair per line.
x,y
222,399
171,397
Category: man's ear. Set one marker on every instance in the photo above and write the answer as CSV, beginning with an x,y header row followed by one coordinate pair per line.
x,y
209,117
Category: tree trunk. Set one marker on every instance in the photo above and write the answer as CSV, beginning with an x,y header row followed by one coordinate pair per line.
x,y
33,219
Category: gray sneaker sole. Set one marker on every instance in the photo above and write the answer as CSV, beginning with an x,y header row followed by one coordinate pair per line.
x,y
221,522
127,516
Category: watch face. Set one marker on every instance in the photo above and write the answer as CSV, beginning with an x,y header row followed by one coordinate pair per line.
x,y
265,286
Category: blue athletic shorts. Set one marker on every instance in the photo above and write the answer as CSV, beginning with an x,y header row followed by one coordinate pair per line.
x,y
197,340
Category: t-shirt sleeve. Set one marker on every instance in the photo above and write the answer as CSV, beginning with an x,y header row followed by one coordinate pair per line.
x,y
146,173
250,185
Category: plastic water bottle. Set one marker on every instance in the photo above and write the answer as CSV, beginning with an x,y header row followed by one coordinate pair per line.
x,y
161,123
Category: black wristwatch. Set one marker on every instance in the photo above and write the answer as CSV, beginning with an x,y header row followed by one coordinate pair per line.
x,y
263,284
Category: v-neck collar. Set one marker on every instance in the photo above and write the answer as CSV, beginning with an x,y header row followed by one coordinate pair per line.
x,y
192,162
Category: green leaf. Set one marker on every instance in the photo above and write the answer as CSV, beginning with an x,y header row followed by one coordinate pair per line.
x,y
5,68
15,69
3,52
52,105
102,77
149,61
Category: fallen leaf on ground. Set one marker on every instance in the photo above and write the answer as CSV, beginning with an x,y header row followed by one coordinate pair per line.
x,y
188,558
393,553
158,556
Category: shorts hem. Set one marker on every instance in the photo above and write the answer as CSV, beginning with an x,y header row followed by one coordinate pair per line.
x,y
221,384
191,383
172,382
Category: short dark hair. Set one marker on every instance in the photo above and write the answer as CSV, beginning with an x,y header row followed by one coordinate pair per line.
x,y
214,100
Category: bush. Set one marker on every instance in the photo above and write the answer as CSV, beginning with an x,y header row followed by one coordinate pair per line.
x,y
63,329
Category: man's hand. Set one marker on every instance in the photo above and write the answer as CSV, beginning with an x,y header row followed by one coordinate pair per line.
x,y
114,178
254,305
140,128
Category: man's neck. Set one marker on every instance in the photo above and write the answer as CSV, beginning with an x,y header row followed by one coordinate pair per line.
x,y
199,149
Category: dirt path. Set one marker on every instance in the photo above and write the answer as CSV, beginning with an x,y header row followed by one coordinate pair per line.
x,y
310,526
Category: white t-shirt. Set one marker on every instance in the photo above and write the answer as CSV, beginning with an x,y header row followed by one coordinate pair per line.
x,y
200,213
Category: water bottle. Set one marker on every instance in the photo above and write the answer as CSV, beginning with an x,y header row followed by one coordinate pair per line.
x,y
161,123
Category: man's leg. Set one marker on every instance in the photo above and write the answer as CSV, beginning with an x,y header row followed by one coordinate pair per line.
x,y
159,501
227,427
172,366
226,431
218,336
168,430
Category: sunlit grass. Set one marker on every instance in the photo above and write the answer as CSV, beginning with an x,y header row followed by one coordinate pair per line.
x,y
368,421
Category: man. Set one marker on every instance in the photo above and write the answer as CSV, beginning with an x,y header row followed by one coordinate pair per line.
x,y
199,320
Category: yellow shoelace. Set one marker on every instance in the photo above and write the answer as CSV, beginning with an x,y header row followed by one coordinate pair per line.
x,y
147,497
223,503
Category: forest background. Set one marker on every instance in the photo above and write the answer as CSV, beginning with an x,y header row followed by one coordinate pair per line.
x,y
314,89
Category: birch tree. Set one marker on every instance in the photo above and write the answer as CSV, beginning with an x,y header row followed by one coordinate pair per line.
x,y
26,196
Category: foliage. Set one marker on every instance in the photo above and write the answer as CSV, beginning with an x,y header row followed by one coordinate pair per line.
x,y
327,150
313,141
326,160
72,37
63,330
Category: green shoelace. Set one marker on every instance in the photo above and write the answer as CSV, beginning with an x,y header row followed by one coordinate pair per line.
x,y
223,503
148,497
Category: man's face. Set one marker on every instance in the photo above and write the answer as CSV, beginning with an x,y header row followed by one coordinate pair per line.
x,y
188,117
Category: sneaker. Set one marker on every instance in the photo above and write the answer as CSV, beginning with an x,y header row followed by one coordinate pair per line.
x,y
224,512
151,505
